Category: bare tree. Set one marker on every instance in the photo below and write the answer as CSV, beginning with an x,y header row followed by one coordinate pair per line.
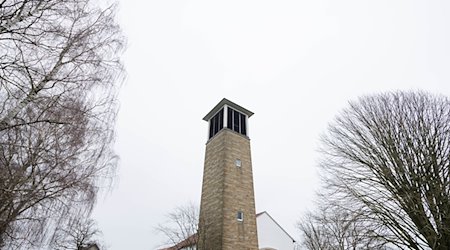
x,y
388,156
314,233
78,234
59,69
181,227
331,227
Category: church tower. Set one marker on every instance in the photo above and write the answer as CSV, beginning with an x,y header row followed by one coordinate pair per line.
x,y
227,209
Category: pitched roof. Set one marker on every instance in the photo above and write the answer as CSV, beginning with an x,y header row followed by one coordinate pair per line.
x,y
264,212
233,105
193,239
189,241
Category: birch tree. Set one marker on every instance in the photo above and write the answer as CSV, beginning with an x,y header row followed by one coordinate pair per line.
x,y
59,76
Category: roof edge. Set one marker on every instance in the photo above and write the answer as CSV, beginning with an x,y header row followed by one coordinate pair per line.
x,y
265,212
227,102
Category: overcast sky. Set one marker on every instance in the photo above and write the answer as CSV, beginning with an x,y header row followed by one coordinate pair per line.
x,y
295,64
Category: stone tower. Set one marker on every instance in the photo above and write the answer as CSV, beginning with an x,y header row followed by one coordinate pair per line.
x,y
227,209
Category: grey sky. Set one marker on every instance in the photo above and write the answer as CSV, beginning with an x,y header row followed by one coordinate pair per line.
x,y
295,64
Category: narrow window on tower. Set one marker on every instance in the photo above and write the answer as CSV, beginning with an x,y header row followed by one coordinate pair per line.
x,y
236,121
243,125
211,128
220,119
238,163
240,216
230,118
216,123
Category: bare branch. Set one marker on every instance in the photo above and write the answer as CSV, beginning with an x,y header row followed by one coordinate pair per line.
x,y
389,156
59,76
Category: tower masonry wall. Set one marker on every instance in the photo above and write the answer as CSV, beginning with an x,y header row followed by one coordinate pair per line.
x,y
228,189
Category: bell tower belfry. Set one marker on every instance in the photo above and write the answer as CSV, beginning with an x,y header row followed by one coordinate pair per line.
x,y
227,209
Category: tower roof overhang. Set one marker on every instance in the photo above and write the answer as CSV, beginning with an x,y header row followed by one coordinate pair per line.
x,y
230,104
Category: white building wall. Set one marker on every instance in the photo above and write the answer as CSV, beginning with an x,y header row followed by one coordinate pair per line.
x,y
271,235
